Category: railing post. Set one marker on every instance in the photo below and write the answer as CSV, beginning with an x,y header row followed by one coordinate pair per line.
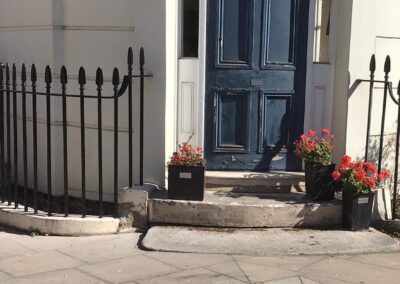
x,y
82,82
24,136
99,83
387,70
34,138
372,67
115,80
130,63
48,80
64,81
8,165
142,61
15,128
2,184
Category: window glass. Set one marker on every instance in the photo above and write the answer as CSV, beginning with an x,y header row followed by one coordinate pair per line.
x,y
322,31
190,28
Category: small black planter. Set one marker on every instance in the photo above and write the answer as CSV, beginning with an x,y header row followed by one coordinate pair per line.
x,y
357,210
185,183
318,181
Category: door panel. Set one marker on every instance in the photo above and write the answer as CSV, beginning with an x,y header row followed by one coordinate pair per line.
x,y
234,33
278,32
255,80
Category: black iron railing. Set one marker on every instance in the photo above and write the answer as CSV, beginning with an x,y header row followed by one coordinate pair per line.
x,y
8,88
387,91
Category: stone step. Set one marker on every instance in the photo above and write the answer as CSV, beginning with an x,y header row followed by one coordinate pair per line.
x,y
267,242
248,210
267,182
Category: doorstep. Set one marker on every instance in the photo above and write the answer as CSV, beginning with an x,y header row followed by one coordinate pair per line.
x,y
246,210
267,242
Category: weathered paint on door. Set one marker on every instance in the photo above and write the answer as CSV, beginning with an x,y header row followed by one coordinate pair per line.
x,y
255,82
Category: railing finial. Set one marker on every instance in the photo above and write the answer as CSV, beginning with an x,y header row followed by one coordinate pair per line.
x,y
63,75
33,73
99,76
115,77
82,76
47,75
130,56
23,73
142,61
387,64
372,64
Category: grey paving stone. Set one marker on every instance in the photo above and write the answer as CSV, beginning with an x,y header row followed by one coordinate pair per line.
x,y
101,251
68,276
294,263
389,260
37,263
198,276
9,248
291,280
260,273
230,269
48,243
347,270
189,260
128,269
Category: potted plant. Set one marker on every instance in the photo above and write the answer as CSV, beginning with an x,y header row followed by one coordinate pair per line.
x,y
186,173
317,155
357,181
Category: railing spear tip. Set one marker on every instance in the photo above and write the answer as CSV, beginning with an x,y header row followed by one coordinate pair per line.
x,y
99,77
82,76
115,77
47,75
387,64
14,72
130,56
23,73
398,89
142,61
372,64
33,73
63,75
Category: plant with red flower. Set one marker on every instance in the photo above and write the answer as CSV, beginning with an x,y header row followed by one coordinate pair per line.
x,y
358,177
187,155
313,149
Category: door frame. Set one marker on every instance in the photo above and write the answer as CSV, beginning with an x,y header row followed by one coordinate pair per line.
x,y
172,56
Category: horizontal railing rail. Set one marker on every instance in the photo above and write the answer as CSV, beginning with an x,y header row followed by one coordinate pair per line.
x,y
9,185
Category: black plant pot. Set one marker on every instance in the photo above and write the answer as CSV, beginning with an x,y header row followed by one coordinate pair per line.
x,y
185,183
319,181
357,210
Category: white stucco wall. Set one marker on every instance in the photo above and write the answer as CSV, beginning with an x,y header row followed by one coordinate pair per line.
x,y
91,33
375,30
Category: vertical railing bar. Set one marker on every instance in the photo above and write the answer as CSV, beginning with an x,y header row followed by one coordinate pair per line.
x,y
82,82
64,81
372,67
115,83
48,81
2,161
24,137
15,128
34,139
130,63
8,165
142,61
99,83
396,161
387,70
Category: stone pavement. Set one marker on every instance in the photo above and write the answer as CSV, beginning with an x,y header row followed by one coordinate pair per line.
x,y
117,259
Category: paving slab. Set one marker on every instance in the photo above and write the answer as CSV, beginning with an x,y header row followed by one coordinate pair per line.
x,y
198,276
345,270
267,242
128,269
37,263
59,277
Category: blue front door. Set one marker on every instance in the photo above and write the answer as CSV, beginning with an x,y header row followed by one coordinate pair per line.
x,y
255,83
